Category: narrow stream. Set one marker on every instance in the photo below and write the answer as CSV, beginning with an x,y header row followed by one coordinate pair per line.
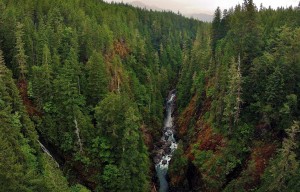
x,y
166,146
48,153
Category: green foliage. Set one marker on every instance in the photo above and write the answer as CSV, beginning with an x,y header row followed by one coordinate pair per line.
x,y
71,58
233,96
95,73
111,178
20,56
284,168
79,188
20,157
248,90
53,177
180,162
118,123
97,80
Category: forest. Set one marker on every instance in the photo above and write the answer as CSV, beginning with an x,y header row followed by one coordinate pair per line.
x,y
83,88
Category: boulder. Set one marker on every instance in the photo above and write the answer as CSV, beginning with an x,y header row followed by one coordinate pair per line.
x,y
167,150
164,162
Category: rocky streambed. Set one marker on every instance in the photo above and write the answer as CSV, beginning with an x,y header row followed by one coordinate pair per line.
x,y
164,149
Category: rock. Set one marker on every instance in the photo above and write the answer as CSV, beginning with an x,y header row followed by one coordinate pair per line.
x,y
168,132
158,152
157,159
160,143
164,162
161,152
166,138
168,143
167,150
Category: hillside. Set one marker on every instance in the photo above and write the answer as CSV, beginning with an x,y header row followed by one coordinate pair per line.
x,y
238,104
89,80
101,97
199,16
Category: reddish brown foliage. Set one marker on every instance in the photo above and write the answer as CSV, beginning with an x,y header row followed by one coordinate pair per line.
x,y
176,180
83,174
210,140
260,156
153,187
121,48
147,136
189,153
117,77
186,116
30,108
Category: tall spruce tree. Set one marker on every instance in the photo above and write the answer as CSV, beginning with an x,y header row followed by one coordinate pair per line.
x,y
21,57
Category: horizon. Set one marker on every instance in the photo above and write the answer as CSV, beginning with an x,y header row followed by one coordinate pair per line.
x,y
205,6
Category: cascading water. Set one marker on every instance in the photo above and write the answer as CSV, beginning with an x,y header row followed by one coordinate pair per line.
x,y
167,145
48,153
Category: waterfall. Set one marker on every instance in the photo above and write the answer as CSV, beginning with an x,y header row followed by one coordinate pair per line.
x,y
77,134
47,152
167,145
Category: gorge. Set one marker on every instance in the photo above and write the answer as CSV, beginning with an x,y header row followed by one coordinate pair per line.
x,y
88,83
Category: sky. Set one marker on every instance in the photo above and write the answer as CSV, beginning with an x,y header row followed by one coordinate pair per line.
x,y
207,6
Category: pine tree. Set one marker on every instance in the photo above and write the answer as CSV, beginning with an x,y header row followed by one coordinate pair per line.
x,y
251,41
21,57
2,64
97,80
42,79
53,177
68,100
134,161
233,97
285,166
18,163
215,33
118,122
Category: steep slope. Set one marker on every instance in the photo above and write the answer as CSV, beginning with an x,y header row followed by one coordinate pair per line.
x,y
238,100
23,165
92,77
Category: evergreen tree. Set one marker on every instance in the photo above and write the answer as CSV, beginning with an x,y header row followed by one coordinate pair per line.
x,y
233,98
97,80
21,57
251,42
118,121
285,166
215,32
42,79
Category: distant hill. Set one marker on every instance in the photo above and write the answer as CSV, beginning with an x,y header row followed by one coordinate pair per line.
x,y
143,5
199,16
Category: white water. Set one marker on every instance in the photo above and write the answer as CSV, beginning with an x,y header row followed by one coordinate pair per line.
x,y
77,134
167,138
47,152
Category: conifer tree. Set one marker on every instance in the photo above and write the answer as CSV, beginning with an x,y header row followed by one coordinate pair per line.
x,y
21,57
118,121
18,163
233,97
97,80
285,165
2,64
216,29
42,79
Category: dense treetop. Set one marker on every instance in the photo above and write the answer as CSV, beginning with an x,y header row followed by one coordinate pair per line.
x,y
89,79
238,97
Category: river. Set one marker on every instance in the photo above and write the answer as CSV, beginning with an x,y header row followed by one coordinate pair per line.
x,y
166,146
